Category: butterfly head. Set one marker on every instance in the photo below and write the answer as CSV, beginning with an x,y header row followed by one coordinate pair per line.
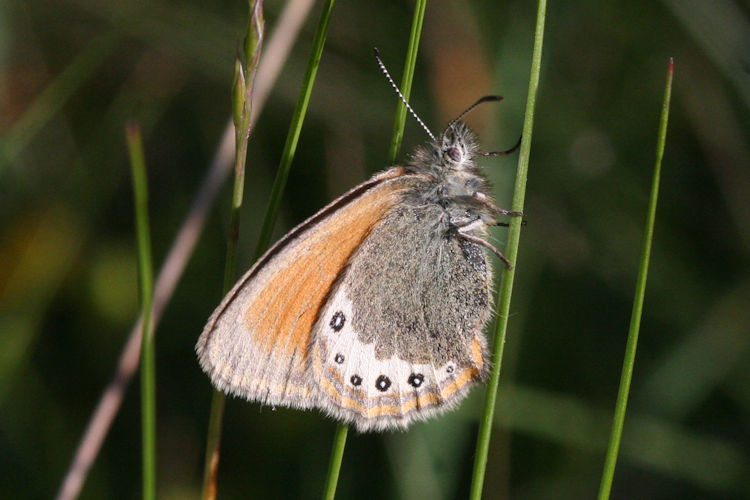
x,y
453,151
457,147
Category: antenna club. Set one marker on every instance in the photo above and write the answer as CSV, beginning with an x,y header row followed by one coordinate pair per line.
x,y
487,98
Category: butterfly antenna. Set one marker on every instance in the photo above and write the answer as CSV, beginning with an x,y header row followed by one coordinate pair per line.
x,y
487,98
503,153
403,99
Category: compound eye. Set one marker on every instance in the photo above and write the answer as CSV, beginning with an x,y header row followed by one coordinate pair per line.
x,y
453,154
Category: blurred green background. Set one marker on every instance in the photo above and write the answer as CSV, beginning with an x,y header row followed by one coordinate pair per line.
x,y
72,72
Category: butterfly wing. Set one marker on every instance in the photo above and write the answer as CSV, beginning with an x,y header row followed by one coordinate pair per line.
x,y
400,338
256,342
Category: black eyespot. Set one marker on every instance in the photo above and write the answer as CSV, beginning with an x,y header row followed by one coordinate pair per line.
x,y
339,358
449,369
453,154
382,383
356,380
416,379
337,321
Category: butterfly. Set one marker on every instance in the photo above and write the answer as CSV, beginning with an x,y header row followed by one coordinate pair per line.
x,y
373,309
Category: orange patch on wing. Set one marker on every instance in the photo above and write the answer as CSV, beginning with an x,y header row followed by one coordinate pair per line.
x,y
283,312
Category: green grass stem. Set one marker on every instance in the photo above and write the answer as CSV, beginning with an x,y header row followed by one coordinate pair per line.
x,y
246,67
411,62
640,290
334,463
146,285
242,90
511,252
298,118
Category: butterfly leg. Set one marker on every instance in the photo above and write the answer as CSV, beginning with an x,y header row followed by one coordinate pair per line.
x,y
485,200
466,228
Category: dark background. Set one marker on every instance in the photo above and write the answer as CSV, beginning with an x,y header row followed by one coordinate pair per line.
x,y
68,282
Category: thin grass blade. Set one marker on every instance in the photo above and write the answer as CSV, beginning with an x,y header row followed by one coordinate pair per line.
x,y
146,286
246,68
640,290
295,127
511,252
411,62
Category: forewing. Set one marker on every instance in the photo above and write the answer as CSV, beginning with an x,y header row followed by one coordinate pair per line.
x,y
256,342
